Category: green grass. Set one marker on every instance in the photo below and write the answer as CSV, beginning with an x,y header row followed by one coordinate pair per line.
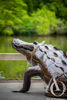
x,y
16,69
13,69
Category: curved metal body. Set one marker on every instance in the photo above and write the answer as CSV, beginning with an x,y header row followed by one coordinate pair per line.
x,y
47,62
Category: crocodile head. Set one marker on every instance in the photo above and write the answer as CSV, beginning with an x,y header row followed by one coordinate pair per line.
x,y
25,48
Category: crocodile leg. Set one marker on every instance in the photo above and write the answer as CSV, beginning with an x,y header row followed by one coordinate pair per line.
x,y
30,72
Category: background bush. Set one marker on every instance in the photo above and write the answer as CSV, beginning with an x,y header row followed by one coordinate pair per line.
x,y
29,17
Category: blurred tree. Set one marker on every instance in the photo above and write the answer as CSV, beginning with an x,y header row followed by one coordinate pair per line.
x,y
33,16
12,14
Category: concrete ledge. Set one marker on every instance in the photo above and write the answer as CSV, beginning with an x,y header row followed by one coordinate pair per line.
x,y
11,56
19,81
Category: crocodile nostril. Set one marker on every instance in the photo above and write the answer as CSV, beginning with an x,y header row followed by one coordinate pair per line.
x,y
35,43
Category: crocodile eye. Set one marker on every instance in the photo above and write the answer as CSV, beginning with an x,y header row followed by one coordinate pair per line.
x,y
35,43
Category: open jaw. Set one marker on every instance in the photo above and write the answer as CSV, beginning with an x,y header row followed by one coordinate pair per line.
x,y
24,47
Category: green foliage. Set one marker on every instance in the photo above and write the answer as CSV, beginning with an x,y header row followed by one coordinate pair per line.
x,y
13,69
12,15
45,21
59,7
33,17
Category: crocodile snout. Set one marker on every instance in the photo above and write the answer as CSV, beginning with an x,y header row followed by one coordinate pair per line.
x,y
17,42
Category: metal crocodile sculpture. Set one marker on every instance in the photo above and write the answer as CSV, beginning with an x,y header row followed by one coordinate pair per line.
x,y
48,62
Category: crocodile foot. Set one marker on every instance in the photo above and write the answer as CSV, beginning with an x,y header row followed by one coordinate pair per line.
x,y
21,91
